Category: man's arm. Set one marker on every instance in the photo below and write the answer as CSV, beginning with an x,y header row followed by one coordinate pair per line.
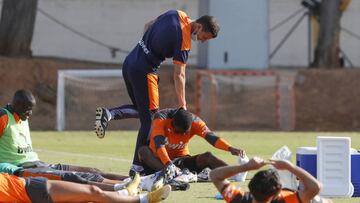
x,y
161,152
220,143
311,185
171,171
179,79
218,175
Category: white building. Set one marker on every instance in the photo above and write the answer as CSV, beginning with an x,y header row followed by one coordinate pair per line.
x,y
120,23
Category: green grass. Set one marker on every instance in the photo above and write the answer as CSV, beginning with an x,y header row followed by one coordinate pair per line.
x,y
114,152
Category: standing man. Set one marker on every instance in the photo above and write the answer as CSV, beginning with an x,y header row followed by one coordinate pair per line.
x,y
168,36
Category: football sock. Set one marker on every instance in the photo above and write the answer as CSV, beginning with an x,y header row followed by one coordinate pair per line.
x,y
123,112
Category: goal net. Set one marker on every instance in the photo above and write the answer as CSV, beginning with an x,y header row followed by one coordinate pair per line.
x,y
80,92
245,100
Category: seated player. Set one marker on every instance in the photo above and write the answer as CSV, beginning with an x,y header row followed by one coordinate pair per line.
x,y
15,140
171,132
42,190
265,186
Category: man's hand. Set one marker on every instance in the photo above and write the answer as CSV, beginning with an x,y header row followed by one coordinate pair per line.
x,y
171,171
237,152
281,164
255,163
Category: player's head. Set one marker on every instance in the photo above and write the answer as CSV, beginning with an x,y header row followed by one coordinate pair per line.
x,y
205,28
22,103
265,185
182,120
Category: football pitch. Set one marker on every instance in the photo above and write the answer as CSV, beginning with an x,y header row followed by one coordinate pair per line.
x,y
114,153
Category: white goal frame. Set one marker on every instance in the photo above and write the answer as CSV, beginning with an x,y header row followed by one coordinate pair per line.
x,y
83,73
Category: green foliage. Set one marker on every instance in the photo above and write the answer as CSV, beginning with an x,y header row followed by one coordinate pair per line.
x,y
114,152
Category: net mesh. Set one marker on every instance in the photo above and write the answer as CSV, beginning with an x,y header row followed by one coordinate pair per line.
x,y
84,94
245,102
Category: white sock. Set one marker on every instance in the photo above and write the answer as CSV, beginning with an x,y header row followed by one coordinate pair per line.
x,y
143,198
147,181
108,114
122,185
119,186
123,192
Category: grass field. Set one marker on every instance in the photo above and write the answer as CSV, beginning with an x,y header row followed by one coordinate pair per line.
x,y
114,152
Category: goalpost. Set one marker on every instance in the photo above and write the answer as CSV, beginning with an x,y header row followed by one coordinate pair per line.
x,y
225,99
81,80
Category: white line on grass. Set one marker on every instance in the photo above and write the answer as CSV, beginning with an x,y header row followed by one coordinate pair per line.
x,y
83,155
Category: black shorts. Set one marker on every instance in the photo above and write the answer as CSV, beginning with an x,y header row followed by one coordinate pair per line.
x,y
52,174
37,190
188,162
94,177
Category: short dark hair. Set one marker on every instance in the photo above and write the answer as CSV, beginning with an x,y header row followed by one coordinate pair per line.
x,y
209,24
25,97
182,120
264,184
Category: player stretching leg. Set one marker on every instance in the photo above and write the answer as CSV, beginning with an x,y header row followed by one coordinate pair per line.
x,y
168,36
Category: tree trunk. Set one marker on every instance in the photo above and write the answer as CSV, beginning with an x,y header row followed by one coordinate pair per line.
x,y
327,49
17,27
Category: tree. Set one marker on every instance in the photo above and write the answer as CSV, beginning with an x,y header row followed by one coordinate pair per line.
x,y
17,27
327,50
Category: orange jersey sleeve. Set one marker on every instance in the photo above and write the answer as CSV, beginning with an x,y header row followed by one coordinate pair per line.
x,y
199,127
231,193
222,144
163,155
158,128
157,140
3,123
203,131
289,196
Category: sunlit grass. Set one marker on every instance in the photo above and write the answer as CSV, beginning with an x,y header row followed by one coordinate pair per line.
x,y
114,153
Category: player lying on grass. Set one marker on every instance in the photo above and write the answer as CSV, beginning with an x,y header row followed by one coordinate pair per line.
x,y
147,183
42,190
265,186
171,132
15,140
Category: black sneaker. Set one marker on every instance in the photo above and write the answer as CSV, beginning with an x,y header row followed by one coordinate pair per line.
x,y
132,173
177,185
101,122
203,176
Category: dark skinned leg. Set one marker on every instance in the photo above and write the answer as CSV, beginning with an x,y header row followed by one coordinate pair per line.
x,y
207,159
147,157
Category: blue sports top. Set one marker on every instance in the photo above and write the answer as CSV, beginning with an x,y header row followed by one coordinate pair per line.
x,y
169,36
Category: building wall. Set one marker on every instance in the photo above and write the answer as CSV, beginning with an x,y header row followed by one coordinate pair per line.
x,y
119,23
243,40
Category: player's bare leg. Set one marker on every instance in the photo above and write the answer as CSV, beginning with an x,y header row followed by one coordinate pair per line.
x,y
207,159
147,156
61,191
